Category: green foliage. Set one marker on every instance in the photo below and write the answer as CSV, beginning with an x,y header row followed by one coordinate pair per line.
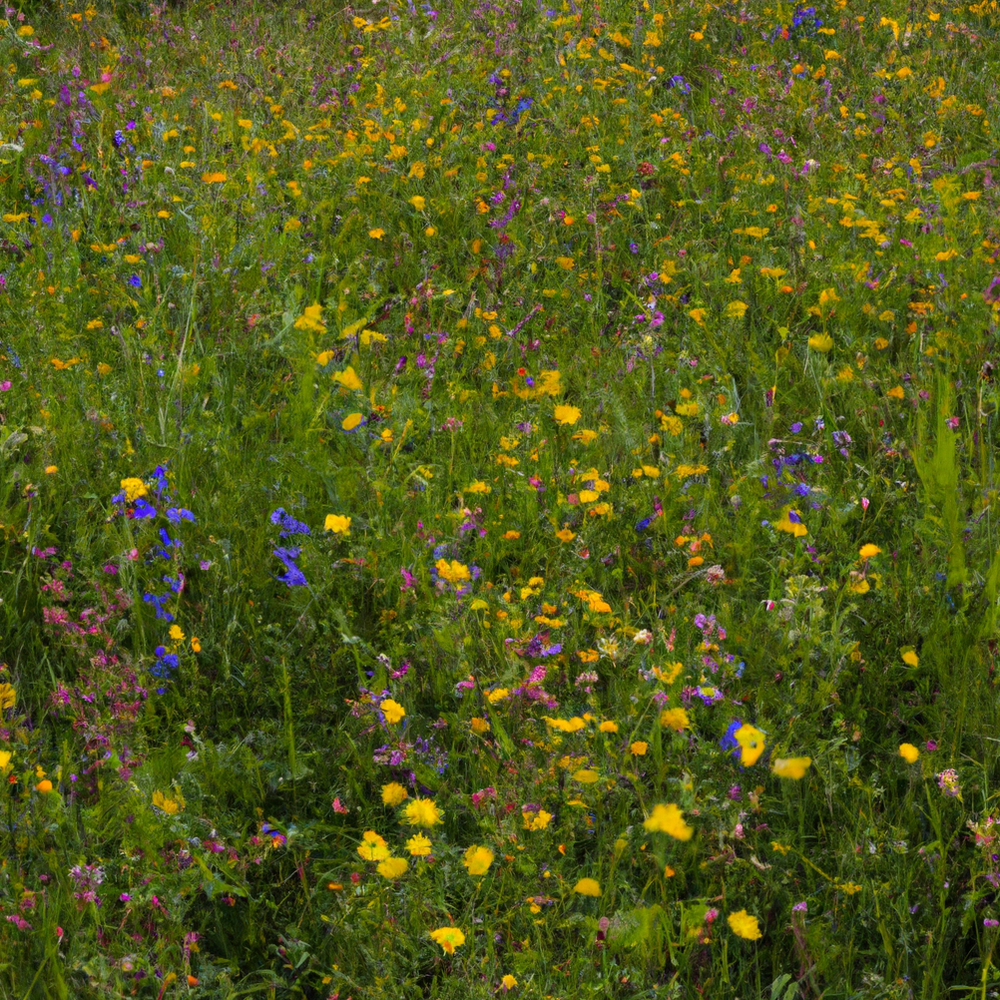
x,y
498,499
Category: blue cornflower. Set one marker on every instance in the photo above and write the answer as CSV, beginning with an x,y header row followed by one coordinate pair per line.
x,y
158,600
289,526
729,742
143,509
293,576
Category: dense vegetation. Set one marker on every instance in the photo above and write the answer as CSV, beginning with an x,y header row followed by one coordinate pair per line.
x,y
499,497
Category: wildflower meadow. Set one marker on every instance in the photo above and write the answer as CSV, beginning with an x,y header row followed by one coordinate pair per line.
x,y
498,499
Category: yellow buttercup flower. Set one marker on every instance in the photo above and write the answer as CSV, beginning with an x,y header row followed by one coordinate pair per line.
x,y
565,415
821,342
751,741
393,793
311,319
338,524
418,845
422,812
670,820
449,938
791,767
393,867
373,847
909,753
744,925
392,710
169,806
588,887
478,860
348,378
675,718
134,488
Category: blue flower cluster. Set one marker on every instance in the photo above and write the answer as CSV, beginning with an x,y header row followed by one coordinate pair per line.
x,y
290,527
804,23
166,551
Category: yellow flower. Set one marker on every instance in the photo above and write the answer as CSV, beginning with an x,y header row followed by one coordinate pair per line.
x,y
44,786
449,938
376,234
908,752
392,711
373,847
351,421
452,572
751,741
169,806
393,793
587,887
736,310
745,926
338,524
311,319
687,471
348,378
791,767
536,821
214,177
5,756
668,819
478,487
479,725
566,415
565,535
910,658
675,718
821,342
51,469
418,202
508,982
869,551
586,776
477,860
608,726
393,867
418,845
8,695
134,488
795,528
638,748
422,812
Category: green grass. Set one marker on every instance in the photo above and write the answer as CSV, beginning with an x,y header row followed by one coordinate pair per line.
x,y
616,332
